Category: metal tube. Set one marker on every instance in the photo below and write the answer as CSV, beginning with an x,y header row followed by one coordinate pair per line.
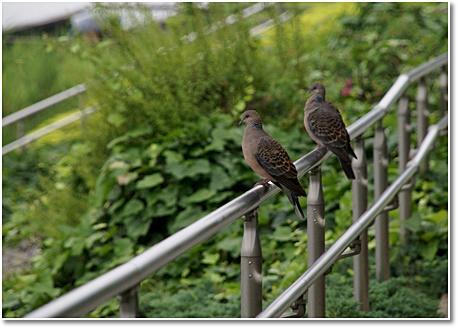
x,y
129,303
422,117
428,67
28,138
359,201
84,298
315,242
43,104
405,196
281,303
381,223
251,268
443,85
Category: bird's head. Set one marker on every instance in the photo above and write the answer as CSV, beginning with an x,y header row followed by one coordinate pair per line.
x,y
317,89
250,117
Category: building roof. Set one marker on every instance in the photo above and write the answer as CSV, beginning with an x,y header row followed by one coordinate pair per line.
x,y
22,15
18,16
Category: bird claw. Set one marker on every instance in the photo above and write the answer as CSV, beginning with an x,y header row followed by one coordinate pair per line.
x,y
264,183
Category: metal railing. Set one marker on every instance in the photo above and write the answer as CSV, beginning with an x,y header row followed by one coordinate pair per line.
x,y
124,279
19,117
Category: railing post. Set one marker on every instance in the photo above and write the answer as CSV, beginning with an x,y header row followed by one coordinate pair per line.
x,y
443,84
422,118
381,222
129,303
359,201
405,195
251,268
315,242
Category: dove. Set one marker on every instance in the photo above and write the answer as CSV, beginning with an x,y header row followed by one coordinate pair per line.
x,y
325,126
269,159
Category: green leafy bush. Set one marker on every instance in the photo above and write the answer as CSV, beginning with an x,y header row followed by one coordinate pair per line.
x,y
166,152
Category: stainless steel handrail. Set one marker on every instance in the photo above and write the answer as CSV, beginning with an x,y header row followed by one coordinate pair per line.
x,y
28,138
318,268
84,298
43,104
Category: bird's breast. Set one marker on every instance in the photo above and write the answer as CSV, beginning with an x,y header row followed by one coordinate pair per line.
x,y
249,149
309,129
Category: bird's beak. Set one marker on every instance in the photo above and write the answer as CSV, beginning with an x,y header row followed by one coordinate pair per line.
x,y
240,122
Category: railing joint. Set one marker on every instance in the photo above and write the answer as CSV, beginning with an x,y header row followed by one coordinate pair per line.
x,y
298,309
393,205
353,249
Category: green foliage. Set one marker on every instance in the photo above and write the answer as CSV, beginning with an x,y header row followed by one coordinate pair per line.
x,y
393,299
164,151
397,297
35,68
373,43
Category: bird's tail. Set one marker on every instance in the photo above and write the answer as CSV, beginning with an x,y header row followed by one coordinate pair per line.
x,y
346,166
294,200
345,162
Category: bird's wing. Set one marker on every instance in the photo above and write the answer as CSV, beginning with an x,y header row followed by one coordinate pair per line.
x,y
327,125
275,160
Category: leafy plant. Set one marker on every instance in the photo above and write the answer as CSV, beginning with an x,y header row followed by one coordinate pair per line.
x,y
163,151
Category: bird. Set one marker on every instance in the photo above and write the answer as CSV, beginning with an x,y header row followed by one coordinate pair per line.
x,y
269,159
325,126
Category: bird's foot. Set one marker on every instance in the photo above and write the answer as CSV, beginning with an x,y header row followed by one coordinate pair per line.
x,y
264,183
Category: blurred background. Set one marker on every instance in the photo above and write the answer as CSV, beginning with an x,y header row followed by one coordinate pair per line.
x,y
165,84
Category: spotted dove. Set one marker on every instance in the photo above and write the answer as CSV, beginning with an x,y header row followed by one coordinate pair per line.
x,y
270,160
325,126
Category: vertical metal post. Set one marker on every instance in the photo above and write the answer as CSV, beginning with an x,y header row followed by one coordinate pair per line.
x,y
422,118
443,85
381,222
404,196
129,303
359,201
251,268
315,243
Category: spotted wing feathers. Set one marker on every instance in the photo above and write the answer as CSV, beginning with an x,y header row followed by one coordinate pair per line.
x,y
328,126
275,160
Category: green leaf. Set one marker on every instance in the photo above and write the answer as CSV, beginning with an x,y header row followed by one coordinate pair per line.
x,y
231,245
210,258
123,249
150,181
414,223
185,218
429,250
126,178
137,226
282,233
134,206
116,119
129,135
220,179
200,166
172,157
160,210
440,217
200,196
153,152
